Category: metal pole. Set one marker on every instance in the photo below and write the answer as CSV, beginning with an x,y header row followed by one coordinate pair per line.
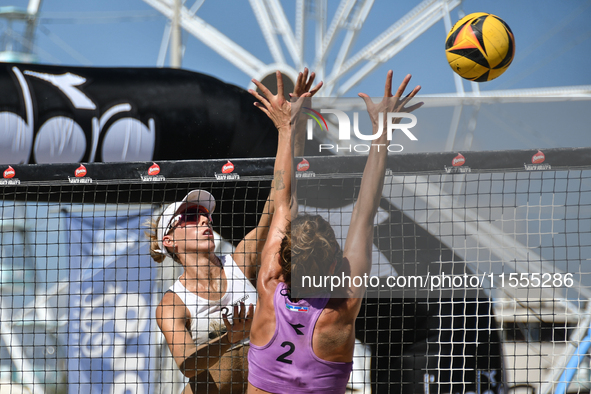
x,y
32,10
175,47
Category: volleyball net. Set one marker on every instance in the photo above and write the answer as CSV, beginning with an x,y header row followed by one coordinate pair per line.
x,y
480,277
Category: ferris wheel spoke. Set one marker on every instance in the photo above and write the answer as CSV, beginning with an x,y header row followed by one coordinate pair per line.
x,y
300,23
338,21
320,16
164,45
195,7
213,38
384,52
283,27
356,21
224,46
262,14
392,41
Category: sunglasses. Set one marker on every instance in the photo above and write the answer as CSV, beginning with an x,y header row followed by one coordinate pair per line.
x,y
192,214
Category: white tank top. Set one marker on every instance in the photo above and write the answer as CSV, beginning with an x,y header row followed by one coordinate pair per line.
x,y
206,316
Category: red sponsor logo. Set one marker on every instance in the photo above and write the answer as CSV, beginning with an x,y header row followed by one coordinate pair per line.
x,y
154,169
538,158
80,171
459,160
228,167
9,172
303,165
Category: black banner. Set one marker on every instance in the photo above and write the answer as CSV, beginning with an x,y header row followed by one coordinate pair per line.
x,y
61,114
311,167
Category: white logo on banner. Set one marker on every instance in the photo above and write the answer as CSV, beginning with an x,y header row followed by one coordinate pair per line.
x,y
16,134
131,316
128,383
113,242
67,84
61,139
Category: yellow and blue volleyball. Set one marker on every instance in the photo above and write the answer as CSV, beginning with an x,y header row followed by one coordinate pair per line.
x,y
480,47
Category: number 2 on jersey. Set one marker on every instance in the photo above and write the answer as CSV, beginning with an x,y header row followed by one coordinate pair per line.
x,y
282,358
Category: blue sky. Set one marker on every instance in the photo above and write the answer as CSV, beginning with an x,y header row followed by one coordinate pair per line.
x,y
553,45
553,49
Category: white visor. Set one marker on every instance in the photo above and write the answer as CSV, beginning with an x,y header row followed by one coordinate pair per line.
x,y
166,222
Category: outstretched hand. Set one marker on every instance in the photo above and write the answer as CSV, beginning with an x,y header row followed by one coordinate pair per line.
x,y
275,106
304,83
239,328
301,97
391,103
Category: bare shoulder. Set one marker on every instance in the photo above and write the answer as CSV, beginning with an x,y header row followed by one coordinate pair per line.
x,y
171,307
170,298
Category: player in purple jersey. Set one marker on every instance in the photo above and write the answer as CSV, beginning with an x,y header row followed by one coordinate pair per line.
x,y
208,347
306,345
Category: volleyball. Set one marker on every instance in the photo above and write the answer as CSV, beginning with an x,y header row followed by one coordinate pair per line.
x,y
480,47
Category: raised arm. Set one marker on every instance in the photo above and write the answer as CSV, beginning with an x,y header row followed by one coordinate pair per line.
x,y
302,86
248,252
357,250
279,110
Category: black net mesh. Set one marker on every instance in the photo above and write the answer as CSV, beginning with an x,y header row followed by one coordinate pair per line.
x,y
479,281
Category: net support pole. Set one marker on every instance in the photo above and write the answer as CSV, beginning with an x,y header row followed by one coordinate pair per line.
x,y
573,364
562,365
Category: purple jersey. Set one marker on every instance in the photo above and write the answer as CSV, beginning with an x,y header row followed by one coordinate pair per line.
x,y
288,363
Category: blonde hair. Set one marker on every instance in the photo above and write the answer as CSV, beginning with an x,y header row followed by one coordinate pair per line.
x,y
309,247
152,235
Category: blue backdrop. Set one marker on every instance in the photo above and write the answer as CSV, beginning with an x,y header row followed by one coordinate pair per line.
x,y
112,343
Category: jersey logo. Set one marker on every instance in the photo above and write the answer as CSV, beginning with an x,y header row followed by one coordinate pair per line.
x,y
295,308
297,327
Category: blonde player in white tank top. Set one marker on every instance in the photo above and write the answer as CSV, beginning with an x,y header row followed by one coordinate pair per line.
x,y
208,348
194,314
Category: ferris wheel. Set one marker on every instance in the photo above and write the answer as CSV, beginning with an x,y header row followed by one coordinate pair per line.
x,y
333,56
332,53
